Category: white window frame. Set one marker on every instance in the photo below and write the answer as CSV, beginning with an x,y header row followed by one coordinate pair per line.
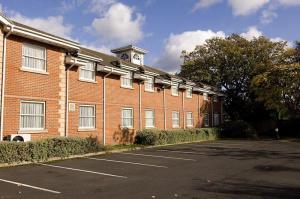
x,y
36,58
175,119
153,118
205,96
94,116
215,98
173,88
128,76
44,115
122,118
189,119
189,92
206,119
81,68
149,87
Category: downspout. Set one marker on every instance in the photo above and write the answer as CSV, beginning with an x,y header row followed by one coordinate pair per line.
x,y
67,100
3,81
212,112
221,103
199,122
164,106
104,107
140,106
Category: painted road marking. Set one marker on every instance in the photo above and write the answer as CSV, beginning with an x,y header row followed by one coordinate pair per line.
x,y
176,151
30,186
81,170
125,162
204,145
158,156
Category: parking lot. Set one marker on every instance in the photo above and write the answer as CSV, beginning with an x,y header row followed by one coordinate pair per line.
x,y
219,169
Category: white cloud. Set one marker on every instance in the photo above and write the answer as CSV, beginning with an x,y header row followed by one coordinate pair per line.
x,y
205,4
268,15
243,8
289,2
52,24
176,43
100,6
252,32
119,24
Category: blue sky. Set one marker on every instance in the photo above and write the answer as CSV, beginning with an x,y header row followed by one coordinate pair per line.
x,y
164,27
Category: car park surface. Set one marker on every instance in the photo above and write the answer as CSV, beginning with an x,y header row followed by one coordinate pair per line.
x,y
216,169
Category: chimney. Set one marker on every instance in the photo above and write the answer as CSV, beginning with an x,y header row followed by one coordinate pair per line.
x,y
131,54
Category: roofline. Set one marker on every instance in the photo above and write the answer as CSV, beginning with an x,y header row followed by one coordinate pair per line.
x,y
129,47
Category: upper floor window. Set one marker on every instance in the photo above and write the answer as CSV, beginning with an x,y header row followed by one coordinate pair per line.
x,y
33,57
205,96
126,80
149,84
87,72
215,98
174,89
32,115
189,93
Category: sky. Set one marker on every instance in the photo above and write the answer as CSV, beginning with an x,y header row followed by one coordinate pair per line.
x,y
163,27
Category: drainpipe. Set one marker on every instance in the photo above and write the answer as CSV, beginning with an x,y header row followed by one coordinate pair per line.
x,y
67,100
140,106
212,112
183,110
198,104
104,106
164,106
3,81
221,103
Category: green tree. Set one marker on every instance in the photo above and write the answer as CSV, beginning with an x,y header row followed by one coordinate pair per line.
x,y
230,64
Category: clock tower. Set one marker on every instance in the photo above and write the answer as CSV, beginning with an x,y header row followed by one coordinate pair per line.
x,y
131,54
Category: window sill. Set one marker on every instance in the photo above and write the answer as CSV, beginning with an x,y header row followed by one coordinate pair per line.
x,y
131,88
86,129
149,91
88,81
174,95
150,127
34,71
130,128
32,131
189,97
175,127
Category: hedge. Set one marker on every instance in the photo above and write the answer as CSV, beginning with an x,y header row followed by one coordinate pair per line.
x,y
42,150
237,129
161,137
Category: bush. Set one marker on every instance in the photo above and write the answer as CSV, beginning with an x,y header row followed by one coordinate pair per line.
x,y
237,129
42,150
161,137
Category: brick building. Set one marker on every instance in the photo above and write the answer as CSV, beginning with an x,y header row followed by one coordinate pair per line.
x,y
51,86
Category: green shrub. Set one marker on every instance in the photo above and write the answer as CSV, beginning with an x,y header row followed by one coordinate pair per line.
x,y
14,152
237,129
161,137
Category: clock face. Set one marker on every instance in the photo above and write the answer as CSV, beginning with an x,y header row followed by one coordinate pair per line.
x,y
136,56
124,56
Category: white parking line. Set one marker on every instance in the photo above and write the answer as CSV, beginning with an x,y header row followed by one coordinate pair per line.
x,y
158,156
30,186
81,170
205,145
176,151
125,162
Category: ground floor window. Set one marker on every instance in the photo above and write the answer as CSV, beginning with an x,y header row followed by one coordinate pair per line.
x,y
32,115
189,119
216,119
149,119
206,119
87,116
175,119
127,118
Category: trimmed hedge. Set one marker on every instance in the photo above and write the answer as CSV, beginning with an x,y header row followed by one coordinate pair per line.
x,y
42,150
161,137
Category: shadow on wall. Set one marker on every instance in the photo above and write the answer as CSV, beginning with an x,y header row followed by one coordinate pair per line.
x,y
124,135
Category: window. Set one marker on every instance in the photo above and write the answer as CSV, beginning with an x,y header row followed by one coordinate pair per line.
x,y
149,84
216,119
127,118
175,119
174,89
87,117
126,80
206,119
189,119
33,57
32,116
215,98
87,72
205,96
189,93
149,117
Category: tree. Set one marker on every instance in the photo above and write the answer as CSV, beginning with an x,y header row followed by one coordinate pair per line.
x,y
230,64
